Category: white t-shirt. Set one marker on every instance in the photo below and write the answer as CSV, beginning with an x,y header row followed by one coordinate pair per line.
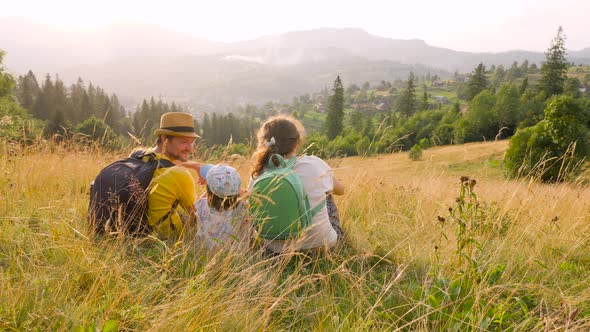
x,y
318,179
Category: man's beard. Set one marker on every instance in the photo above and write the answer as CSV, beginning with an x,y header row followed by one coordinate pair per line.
x,y
178,156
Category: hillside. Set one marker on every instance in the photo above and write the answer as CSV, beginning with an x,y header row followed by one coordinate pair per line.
x,y
481,160
202,81
403,267
141,61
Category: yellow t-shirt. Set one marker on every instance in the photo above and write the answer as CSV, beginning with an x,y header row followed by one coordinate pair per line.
x,y
169,185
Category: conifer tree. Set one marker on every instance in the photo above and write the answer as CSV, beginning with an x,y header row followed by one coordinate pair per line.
x,y
478,81
206,128
334,121
368,127
27,90
425,104
524,67
524,85
356,121
407,101
554,69
79,101
43,100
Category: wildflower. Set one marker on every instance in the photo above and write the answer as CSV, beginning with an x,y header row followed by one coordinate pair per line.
x,y
6,121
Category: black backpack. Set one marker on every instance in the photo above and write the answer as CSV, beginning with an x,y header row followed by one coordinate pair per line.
x,y
119,194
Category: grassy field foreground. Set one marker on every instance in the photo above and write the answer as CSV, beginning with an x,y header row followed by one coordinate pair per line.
x,y
425,251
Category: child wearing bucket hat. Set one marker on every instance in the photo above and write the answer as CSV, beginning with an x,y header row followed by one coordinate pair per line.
x,y
222,218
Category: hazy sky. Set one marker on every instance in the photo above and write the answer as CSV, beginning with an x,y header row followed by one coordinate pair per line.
x,y
465,25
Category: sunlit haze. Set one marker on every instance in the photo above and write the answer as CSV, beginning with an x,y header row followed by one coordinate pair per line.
x,y
464,25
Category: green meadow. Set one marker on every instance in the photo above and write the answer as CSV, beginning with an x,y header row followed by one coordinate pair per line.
x,y
441,244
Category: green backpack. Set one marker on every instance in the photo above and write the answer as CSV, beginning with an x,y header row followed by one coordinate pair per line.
x,y
279,206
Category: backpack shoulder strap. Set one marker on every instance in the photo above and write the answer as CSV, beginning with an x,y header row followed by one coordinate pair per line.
x,y
291,162
139,154
167,215
165,163
270,165
288,165
282,162
318,208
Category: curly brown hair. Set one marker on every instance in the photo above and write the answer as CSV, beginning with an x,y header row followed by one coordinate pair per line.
x,y
288,133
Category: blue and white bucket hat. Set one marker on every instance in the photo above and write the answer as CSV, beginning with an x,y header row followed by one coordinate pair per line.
x,y
222,180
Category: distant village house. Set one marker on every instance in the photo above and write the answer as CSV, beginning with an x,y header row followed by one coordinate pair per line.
x,y
441,99
382,107
319,107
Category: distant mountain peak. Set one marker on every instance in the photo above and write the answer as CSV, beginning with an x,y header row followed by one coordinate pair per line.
x,y
348,30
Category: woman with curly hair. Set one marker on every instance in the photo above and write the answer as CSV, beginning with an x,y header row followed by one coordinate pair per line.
x,y
283,135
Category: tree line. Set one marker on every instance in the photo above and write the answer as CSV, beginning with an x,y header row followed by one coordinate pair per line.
x,y
519,103
86,112
548,121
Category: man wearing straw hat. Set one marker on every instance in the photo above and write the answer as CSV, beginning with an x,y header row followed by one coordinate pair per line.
x,y
173,189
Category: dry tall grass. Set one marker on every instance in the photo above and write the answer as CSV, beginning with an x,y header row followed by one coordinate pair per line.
x,y
399,270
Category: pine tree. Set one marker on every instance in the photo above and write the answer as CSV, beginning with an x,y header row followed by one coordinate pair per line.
x,y
27,90
142,123
554,69
368,127
478,81
524,85
116,114
514,72
356,121
216,127
425,104
91,92
59,108
407,101
524,67
334,121
206,129
41,110
77,92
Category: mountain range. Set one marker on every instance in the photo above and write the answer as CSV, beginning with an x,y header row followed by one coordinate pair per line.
x,y
139,61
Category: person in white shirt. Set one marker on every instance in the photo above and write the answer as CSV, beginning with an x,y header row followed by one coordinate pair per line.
x,y
283,135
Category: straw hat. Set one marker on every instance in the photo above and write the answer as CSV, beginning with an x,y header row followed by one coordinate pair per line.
x,y
177,124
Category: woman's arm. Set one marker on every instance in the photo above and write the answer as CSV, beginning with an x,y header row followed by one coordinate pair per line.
x,y
338,188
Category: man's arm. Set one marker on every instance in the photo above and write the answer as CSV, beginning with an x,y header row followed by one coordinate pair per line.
x,y
191,164
197,167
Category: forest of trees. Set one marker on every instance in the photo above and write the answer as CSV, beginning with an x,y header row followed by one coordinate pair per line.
x,y
88,113
543,109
